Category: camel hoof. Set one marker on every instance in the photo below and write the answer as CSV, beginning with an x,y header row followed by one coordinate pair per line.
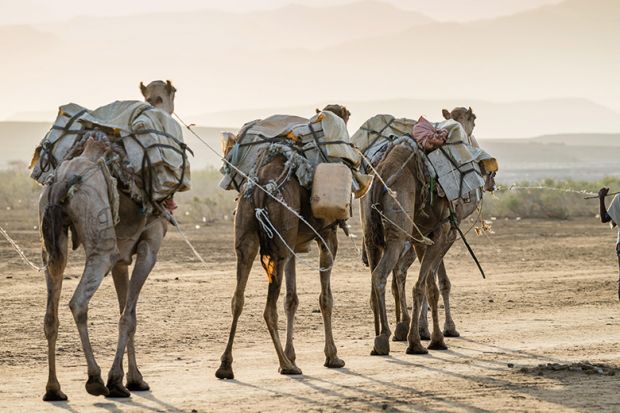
x,y
400,334
138,385
95,386
451,332
290,371
54,396
425,334
417,349
117,391
225,371
382,346
437,345
334,363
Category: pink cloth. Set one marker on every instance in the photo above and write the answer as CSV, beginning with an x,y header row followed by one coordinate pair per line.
x,y
170,205
427,136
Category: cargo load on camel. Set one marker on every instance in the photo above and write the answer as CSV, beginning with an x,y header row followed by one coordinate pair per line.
x,y
452,159
307,145
150,157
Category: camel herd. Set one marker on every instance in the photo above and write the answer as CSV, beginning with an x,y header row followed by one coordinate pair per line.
x,y
114,232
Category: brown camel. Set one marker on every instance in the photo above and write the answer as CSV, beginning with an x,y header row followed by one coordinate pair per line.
x,y
251,236
385,244
82,200
466,118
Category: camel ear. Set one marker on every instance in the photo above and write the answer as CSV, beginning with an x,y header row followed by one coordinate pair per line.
x,y
143,89
169,88
446,114
317,110
469,111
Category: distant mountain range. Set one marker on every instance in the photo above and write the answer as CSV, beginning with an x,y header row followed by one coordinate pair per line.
x,y
494,120
364,51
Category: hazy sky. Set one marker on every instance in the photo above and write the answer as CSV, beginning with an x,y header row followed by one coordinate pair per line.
x,y
29,11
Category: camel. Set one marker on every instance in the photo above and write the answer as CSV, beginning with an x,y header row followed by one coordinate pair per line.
x,y
159,94
385,244
278,260
466,118
81,200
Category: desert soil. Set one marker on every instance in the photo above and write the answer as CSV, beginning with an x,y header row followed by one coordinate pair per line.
x,y
550,297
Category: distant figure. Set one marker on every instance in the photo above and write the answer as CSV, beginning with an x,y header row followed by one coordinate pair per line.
x,y
611,215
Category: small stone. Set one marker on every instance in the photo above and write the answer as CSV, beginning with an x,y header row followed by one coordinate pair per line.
x,y
194,411
9,277
491,301
316,311
176,278
510,365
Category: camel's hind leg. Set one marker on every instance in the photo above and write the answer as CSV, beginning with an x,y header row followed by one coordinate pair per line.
x,y
386,265
405,261
326,300
97,265
53,277
271,316
290,307
247,244
449,328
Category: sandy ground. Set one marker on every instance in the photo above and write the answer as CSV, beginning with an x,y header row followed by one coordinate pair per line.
x,y
550,297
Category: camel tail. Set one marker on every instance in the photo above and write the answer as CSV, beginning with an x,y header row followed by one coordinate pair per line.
x,y
53,225
376,223
265,235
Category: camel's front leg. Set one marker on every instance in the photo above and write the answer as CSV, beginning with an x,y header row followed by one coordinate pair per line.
x,y
290,307
326,300
146,252
449,328
97,265
430,259
53,276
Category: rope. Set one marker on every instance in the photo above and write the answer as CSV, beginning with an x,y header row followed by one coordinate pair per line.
x,y
20,251
424,240
257,185
263,219
175,224
549,188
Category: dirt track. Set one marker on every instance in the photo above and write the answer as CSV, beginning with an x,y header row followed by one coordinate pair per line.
x,y
550,297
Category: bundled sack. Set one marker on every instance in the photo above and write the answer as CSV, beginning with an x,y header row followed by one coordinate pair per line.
x,y
321,139
373,137
152,142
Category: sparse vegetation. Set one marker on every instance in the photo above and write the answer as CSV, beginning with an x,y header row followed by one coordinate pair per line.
x,y
555,199
207,203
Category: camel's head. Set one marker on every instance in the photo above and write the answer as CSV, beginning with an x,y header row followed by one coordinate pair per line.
x,y
228,141
159,94
465,117
339,110
489,169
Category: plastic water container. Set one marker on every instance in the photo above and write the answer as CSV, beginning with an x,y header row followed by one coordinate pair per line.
x,y
331,191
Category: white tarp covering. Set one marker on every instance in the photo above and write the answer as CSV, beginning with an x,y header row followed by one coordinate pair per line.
x,y
152,140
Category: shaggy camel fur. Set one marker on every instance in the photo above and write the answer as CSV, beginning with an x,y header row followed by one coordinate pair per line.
x,y
278,260
385,245
79,200
467,119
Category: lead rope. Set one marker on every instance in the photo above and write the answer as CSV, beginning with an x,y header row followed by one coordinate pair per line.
x,y
20,251
257,185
